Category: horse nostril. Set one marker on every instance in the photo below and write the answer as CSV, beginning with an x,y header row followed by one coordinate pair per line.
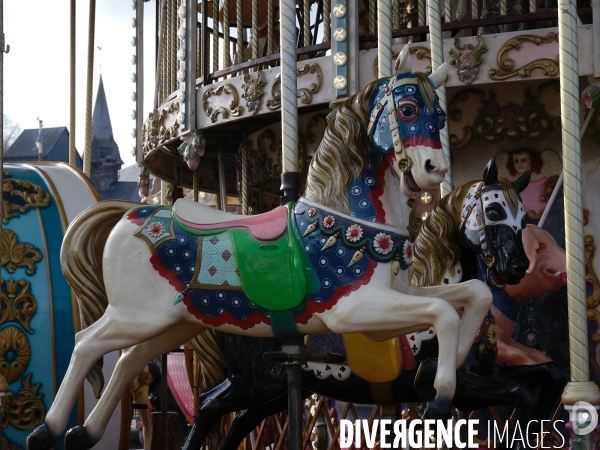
x,y
429,167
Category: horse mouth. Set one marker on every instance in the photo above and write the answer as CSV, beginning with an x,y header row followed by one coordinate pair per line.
x,y
494,281
411,186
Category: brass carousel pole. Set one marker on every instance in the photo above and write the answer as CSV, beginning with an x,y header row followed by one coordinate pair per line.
x,y
580,388
90,79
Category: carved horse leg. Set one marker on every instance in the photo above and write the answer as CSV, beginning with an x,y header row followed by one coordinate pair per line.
x,y
250,418
474,296
550,377
132,361
479,391
225,398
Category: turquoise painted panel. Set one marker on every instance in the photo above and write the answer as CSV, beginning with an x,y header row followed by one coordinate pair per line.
x,y
43,229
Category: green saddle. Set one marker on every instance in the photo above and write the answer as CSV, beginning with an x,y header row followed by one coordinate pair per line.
x,y
275,275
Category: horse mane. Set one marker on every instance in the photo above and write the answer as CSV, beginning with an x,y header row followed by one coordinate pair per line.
x,y
436,249
342,154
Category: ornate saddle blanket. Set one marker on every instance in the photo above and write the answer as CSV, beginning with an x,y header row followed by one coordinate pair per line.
x,y
225,275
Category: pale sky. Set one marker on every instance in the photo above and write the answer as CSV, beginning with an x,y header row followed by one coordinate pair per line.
x,y
37,69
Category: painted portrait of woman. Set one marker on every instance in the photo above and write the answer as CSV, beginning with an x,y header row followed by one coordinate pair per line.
x,y
545,168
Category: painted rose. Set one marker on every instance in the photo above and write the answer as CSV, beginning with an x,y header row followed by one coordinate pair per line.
x,y
328,221
383,243
312,212
407,253
155,229
354,233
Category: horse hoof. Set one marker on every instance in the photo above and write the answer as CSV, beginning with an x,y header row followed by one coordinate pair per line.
x,y
78,439
41,439
438,409
426,373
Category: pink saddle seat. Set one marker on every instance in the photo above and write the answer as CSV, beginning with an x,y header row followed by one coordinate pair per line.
x,y
264,227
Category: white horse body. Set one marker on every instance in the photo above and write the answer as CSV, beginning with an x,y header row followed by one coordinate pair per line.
x,y
142,317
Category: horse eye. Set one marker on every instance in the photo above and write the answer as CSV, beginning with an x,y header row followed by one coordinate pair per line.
x,y
408,111
442,124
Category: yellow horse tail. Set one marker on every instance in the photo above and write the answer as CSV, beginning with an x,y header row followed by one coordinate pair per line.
x,y
81,262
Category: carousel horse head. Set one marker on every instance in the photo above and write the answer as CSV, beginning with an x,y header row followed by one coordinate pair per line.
x,y
410,110
483,217
392,124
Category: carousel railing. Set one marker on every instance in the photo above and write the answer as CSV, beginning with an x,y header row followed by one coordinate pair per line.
x,y
223,50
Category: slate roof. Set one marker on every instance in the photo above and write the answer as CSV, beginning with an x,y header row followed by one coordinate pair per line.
x,y
103,143
24,145
122,190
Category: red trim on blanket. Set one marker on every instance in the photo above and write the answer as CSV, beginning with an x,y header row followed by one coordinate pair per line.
x,y
378,191
133,217
256,318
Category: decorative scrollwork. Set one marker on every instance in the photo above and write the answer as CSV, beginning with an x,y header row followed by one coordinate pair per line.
x,y
154,131
313,122
233,110
304,94
14,254
20,196
455,114
495,123
24,411
593,298
15,353
16,303
506,66
467,58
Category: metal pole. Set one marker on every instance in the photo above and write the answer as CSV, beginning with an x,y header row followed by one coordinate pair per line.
x,y
437,59
290,178
2,51
163,402
384,36
580,388
90,80
72,150
222,184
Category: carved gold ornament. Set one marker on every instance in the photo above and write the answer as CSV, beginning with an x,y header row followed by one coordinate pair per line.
x,y
24,411
418,51
233,110
14,254
7,444
155,132
20,196
590,277
16,303
15,353
506,66
304,94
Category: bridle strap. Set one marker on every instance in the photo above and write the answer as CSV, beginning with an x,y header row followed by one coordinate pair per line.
x,y
476,205
388,98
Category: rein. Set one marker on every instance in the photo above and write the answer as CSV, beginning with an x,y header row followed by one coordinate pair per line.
x,y
476,204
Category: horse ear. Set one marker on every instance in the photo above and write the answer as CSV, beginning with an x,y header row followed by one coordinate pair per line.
x,y
438,78
521,183
403,62
490,174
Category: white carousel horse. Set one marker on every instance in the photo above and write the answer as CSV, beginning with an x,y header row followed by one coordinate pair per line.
x,y
169,274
